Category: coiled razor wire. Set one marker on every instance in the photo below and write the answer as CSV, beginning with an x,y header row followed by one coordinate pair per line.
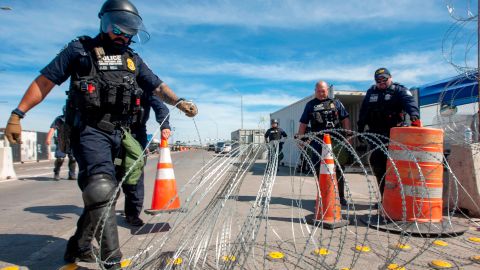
x,y
219,231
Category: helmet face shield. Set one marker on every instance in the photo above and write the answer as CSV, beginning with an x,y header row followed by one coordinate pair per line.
x,y
126,22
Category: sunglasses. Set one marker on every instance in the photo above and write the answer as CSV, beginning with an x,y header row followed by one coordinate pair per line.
x,y
119,32
381,80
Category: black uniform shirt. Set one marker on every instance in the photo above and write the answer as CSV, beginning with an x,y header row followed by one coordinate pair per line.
x,y
57,124
310,108
275,134
393,102
65,63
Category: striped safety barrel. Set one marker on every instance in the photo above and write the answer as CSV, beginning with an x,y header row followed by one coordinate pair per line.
x,y
422,197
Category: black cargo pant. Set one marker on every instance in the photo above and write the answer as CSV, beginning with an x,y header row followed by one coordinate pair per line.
x,y
95,152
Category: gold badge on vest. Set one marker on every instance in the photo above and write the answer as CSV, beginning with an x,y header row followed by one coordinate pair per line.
x,y
130,64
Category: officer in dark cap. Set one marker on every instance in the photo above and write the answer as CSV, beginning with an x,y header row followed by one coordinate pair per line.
x,y
384,106
275,133
323,114
107,80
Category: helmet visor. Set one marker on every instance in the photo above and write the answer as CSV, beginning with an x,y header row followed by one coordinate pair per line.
x,y
127,23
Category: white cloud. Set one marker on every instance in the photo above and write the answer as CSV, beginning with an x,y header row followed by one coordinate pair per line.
x,y
413,67
296,13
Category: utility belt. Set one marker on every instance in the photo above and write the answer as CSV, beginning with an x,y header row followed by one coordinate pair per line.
x,y
109,123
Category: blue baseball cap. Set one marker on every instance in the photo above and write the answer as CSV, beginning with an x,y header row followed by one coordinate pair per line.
x,y
382,73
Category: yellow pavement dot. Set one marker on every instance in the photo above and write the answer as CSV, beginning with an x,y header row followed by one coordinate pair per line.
x,y
362,248
125,263
439,264
11,267
345,268
394,266
176,261
475,258
70,266
403,247
440,243
321,251
474,239
229,258
276,255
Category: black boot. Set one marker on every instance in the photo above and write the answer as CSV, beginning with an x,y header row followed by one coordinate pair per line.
x,y
73,254
71,168
56,170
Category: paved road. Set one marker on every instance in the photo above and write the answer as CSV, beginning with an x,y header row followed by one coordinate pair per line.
x,y
39,214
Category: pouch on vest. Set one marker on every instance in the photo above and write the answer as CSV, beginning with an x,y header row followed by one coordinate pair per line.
x,y
133,157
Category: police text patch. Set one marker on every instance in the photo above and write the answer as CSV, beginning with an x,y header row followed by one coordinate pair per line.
x,y
373,98
111,62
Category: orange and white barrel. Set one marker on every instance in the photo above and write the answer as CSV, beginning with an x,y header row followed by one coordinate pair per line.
x,y
422,193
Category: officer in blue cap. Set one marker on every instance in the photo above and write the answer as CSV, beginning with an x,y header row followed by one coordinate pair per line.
x,y
107,81
385,105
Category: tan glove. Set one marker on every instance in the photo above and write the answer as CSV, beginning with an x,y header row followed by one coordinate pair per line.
x,y
188,107
13,131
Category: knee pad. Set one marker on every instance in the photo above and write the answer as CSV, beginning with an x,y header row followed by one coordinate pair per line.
x,y
99,190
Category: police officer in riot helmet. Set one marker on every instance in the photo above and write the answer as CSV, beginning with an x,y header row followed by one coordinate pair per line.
x,y
324,113
385,105
276,133
107,80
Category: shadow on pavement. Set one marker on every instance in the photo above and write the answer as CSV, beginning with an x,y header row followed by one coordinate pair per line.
x,y
305,204
145,229
39,178
55,212
34,251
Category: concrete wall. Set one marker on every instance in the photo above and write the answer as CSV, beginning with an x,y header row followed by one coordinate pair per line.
x,y
464,160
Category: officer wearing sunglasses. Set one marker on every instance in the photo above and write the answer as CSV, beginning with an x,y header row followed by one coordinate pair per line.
x,y
385,105
108,83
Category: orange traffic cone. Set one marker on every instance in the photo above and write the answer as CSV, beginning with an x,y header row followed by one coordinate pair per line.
x,y
165,197
327,205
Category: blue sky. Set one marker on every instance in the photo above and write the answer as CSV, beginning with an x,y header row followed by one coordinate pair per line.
x,y
270,52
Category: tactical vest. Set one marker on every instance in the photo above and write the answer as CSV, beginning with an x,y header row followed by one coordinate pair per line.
x,y
108,96
325,116
384,110
274,134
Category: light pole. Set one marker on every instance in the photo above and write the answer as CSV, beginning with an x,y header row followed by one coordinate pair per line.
x,y
241,107
241,111
216,125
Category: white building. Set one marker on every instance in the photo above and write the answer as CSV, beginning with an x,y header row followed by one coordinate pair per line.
x,y
289,118
248,136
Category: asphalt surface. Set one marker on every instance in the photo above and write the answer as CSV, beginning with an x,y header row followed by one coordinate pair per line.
x,y
39,215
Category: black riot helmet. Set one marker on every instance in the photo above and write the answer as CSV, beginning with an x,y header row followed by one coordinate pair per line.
x,y
122,16
274,121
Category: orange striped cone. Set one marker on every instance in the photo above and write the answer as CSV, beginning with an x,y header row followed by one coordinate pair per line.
x,y
165,197
327,206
